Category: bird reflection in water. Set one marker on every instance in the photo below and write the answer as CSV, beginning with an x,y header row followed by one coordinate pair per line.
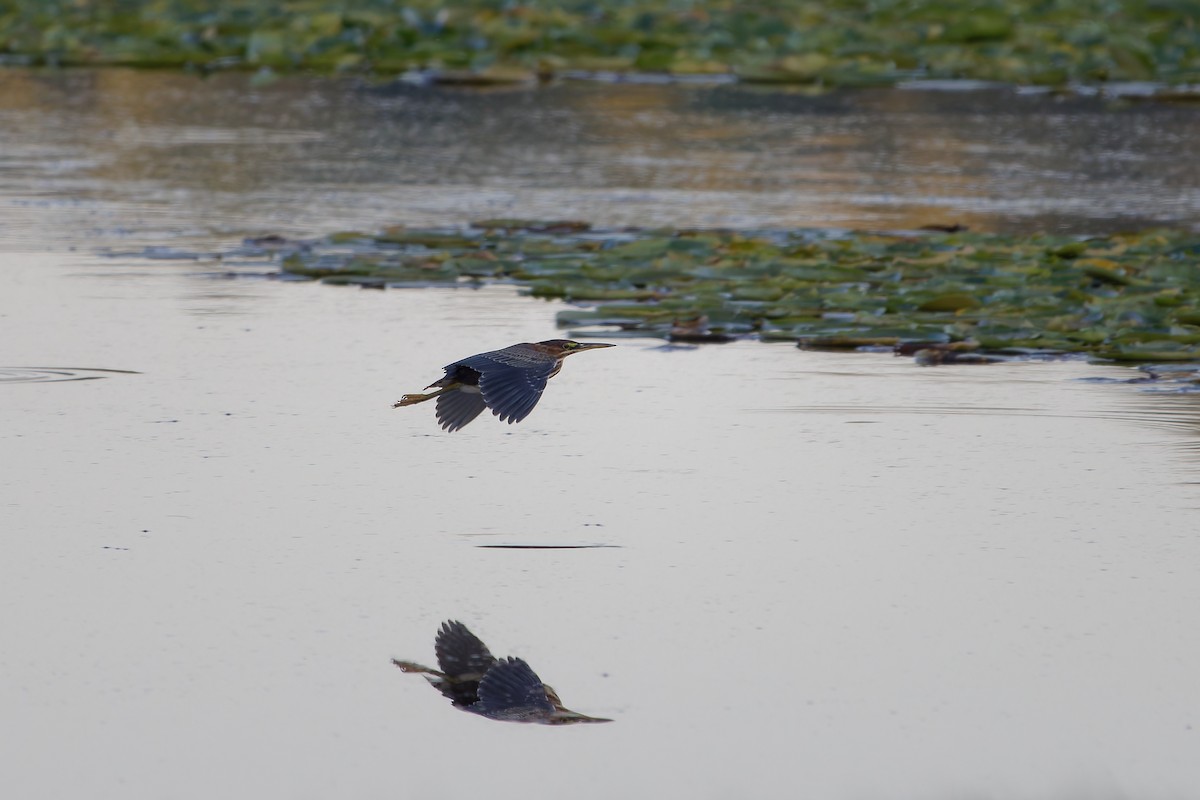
x,y
509,382
497,688
695,330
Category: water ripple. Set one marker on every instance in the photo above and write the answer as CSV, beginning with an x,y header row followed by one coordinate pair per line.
x,y
1182,416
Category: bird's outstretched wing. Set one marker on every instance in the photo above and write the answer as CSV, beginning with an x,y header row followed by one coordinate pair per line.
x,y
460,653
464,660
456,409
511,690
511,380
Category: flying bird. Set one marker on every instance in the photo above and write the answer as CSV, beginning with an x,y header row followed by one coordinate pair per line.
x,y
474,680
509,382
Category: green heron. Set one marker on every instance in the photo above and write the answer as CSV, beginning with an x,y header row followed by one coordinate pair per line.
x,y
509,382
506,689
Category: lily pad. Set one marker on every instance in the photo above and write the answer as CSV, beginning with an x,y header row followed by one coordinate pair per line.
x,y
485,43
1132,296
956,301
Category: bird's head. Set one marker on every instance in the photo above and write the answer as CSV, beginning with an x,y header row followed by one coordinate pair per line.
x,y
561,348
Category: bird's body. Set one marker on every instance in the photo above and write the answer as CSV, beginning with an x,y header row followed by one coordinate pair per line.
x,y
509,382
505,689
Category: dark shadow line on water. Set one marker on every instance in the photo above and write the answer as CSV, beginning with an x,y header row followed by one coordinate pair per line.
x,y
59,380
69,370
82,369
546,546
13,375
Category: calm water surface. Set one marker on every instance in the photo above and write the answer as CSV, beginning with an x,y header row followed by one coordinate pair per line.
x,y
824,575
145,156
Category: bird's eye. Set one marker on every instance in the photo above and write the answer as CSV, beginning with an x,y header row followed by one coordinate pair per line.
x,y
570,345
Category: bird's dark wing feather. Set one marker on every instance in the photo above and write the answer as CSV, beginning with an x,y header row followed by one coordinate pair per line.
x,y
455,409
461,653
512,380
511,689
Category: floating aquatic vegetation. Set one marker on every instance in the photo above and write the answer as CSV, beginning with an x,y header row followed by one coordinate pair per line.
x,y
937,356
1126,297
1170,378
481,42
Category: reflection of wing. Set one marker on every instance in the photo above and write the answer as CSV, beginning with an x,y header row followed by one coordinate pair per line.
x,y
511,690
512,380
460,653
456,409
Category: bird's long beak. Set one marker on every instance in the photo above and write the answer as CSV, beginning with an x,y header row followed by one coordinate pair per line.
x,y
565,716
590,346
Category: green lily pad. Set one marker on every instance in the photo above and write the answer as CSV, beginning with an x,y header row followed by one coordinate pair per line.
x,y
857,289
845,342
1157,352
954,301
438,239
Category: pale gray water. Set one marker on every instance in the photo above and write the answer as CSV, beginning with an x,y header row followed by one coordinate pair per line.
x,y
827,575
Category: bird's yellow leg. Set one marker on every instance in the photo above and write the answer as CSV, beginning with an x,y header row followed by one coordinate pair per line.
x,y
413,399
